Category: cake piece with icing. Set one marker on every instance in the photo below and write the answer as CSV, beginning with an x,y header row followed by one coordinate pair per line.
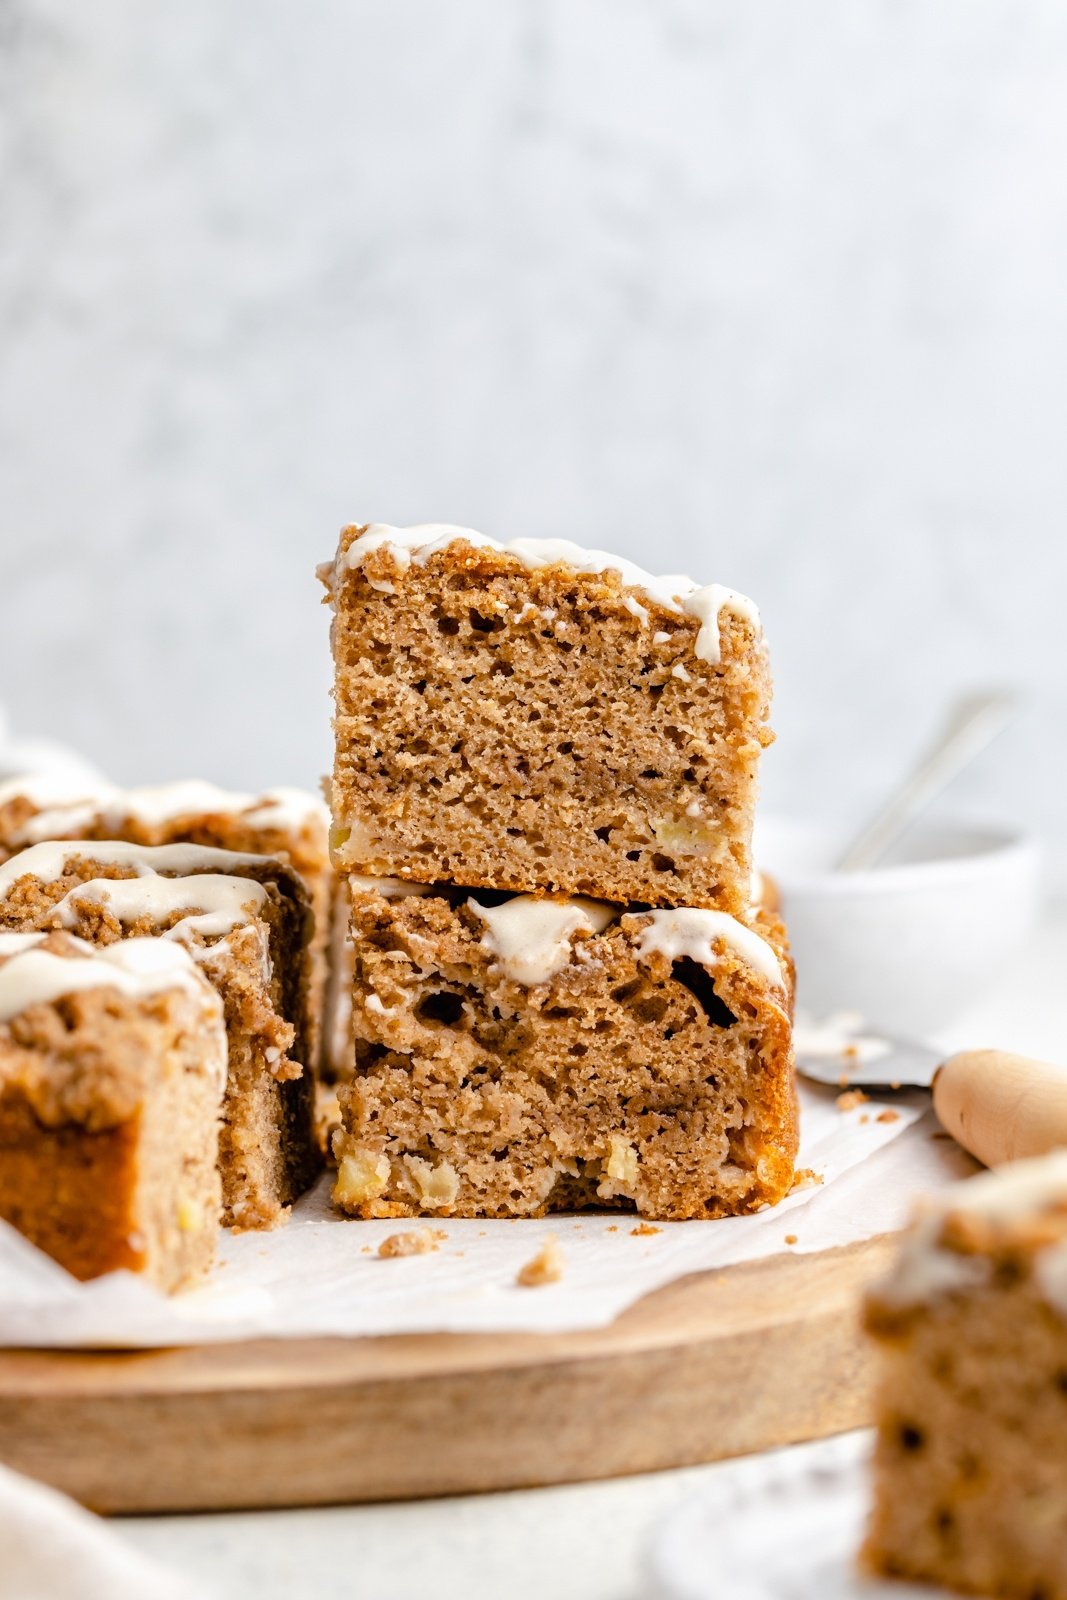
x,y
244,920
538,717
287,824
113,1066
517,1055
971,1324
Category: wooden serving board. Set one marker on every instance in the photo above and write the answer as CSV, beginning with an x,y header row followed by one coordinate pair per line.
x,y
714,1365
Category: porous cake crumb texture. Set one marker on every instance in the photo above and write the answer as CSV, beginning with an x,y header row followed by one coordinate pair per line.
x,y
541,730
625,1080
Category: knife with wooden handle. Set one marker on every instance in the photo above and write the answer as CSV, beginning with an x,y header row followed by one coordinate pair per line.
x,y
1002,1107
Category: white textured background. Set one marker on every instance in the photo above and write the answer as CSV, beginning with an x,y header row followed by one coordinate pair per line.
x,y
769,291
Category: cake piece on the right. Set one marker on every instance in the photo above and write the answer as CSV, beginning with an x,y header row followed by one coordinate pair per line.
x,y
538,717
971,1459
516,1056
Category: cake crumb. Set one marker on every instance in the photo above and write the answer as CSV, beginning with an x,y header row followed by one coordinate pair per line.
x,y
545,1267
613,1229
888,1115
419,1242
851,1099
642,1229
806,1178
865,1118
790,1238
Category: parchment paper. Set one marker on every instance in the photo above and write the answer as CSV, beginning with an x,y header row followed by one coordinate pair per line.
x,y
321,1273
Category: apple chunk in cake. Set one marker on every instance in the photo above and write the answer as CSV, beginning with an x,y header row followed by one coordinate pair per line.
x,y
516,1056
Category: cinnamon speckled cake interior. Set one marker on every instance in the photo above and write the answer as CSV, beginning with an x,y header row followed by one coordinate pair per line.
x,y
516,1056
543,795
535,717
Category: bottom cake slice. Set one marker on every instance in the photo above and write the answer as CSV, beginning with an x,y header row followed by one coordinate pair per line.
x,y
516,1056
112,1072
971,1461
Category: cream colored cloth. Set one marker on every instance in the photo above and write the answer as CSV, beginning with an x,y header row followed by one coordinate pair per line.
x,y
50,1549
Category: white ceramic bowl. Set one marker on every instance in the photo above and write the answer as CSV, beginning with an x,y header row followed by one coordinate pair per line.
x,y
912,943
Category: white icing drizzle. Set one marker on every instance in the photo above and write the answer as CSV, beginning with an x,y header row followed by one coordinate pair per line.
x,y
926,1269
531,937
65,806
674,592
691,932
12,944
52,789
47,861
707,605
388,888
220,903
280,808
137,967
1011,1193
636,609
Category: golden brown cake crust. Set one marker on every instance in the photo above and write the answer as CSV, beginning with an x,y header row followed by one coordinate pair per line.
x,y
623,1081
521,730
109,1119
268,1150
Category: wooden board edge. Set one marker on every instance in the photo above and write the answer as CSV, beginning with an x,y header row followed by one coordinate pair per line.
x,y
686,1376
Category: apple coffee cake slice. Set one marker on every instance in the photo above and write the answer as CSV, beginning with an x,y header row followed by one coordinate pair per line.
x,y
516,1056
538,717
245,920
112,1072
971,1324
287,824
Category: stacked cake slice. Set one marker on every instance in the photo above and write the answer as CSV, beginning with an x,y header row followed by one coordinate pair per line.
x,y
543,795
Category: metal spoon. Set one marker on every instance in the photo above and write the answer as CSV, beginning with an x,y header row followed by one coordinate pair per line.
x,y
973,723
903,1064
850,1060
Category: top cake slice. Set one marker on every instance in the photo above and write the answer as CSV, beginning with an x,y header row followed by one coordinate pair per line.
x,y
542,718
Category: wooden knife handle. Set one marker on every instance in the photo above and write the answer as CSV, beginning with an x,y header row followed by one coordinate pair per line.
x,y
1002,1107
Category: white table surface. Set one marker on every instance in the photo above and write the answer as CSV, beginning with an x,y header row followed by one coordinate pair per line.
x,y
584,1541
